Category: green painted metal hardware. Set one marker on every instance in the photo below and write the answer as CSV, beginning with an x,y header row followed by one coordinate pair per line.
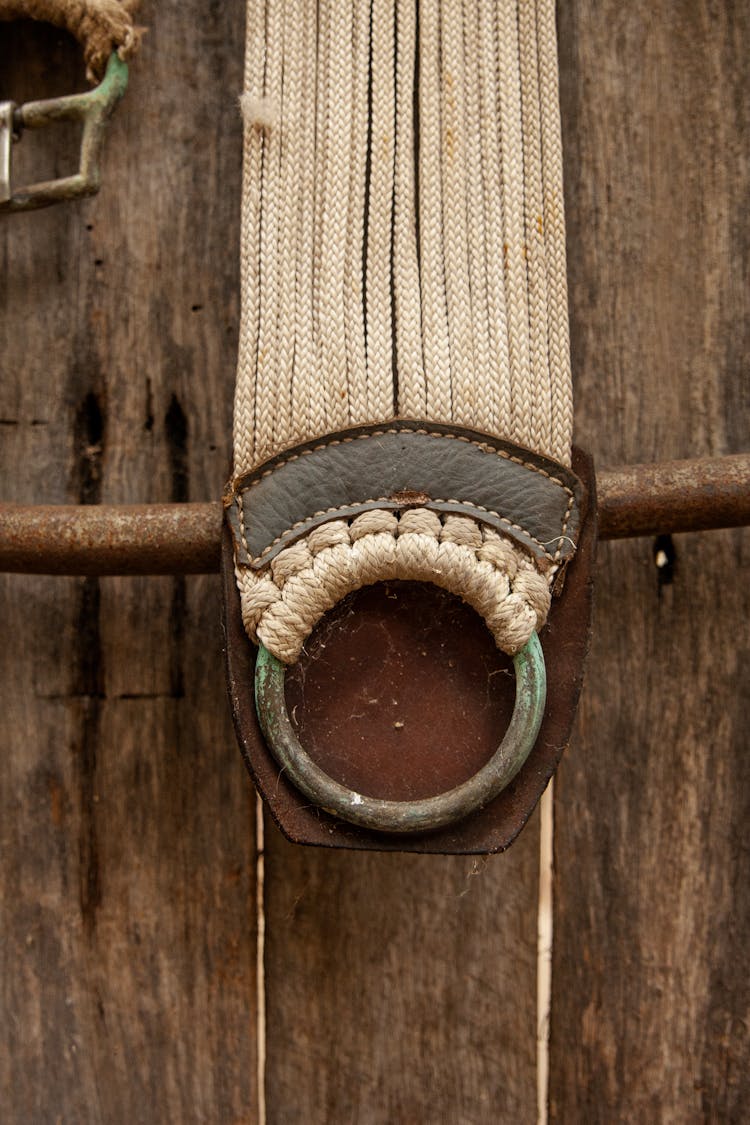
x,y
92,108
404,816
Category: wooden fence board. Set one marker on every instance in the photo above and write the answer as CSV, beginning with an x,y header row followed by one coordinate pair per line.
x,y
126,820
401,988
650,998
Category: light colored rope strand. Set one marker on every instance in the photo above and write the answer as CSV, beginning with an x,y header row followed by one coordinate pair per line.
x,y
306,125
380,381
354,299
258,118
462,325
407,311
489,141
270,265
554,236
291,155
316,397
514,257
330,390
484,396
539,421
430,204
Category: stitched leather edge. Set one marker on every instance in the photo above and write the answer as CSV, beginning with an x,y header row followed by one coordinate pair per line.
x,y
241,489
248,480
349,511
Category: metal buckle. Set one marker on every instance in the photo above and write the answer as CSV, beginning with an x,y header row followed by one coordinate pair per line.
x,y
92,108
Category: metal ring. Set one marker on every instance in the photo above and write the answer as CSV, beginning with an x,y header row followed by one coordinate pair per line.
x,y
404,816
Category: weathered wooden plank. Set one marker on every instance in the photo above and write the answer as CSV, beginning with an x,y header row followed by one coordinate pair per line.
x,y
650,1000
401,988
126,821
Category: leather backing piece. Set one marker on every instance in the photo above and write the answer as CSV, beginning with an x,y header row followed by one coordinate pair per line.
x,y
402,693
401,464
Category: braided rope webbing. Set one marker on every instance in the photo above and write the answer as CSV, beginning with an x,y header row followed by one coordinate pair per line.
x,y
403,253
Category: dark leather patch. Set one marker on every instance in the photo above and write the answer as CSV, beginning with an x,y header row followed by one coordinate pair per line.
x,y
401,693
402,464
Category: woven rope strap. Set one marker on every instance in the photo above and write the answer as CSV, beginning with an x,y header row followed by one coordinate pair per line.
x,y
403,254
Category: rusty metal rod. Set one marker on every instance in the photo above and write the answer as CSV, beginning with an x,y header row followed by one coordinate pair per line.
x,y
110,539
672,496
184,538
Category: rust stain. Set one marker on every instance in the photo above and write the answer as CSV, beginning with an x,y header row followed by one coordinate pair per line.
x,y
409,498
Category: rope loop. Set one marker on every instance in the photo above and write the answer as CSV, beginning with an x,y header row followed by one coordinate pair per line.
x,y
283,603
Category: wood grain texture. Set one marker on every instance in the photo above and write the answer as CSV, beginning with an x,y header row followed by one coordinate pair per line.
x,y
651,1001
126,823
401,988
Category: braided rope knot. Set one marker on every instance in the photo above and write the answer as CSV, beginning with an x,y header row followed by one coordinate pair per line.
x,y
100,26
282,603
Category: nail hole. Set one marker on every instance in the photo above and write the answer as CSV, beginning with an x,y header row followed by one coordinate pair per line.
x,y
665,559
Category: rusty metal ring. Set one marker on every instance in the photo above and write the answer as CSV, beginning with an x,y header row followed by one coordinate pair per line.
x,y
403,816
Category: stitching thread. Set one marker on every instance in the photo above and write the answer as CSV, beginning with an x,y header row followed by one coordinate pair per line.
x,y
386,500
483,446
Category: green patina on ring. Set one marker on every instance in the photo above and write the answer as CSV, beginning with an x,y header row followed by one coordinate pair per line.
x,y
404,816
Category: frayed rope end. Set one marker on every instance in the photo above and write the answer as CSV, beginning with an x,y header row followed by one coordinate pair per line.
x,y
260,112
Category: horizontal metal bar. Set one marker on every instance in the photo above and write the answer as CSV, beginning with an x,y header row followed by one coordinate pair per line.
x,y
184,538
672,496
110,539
